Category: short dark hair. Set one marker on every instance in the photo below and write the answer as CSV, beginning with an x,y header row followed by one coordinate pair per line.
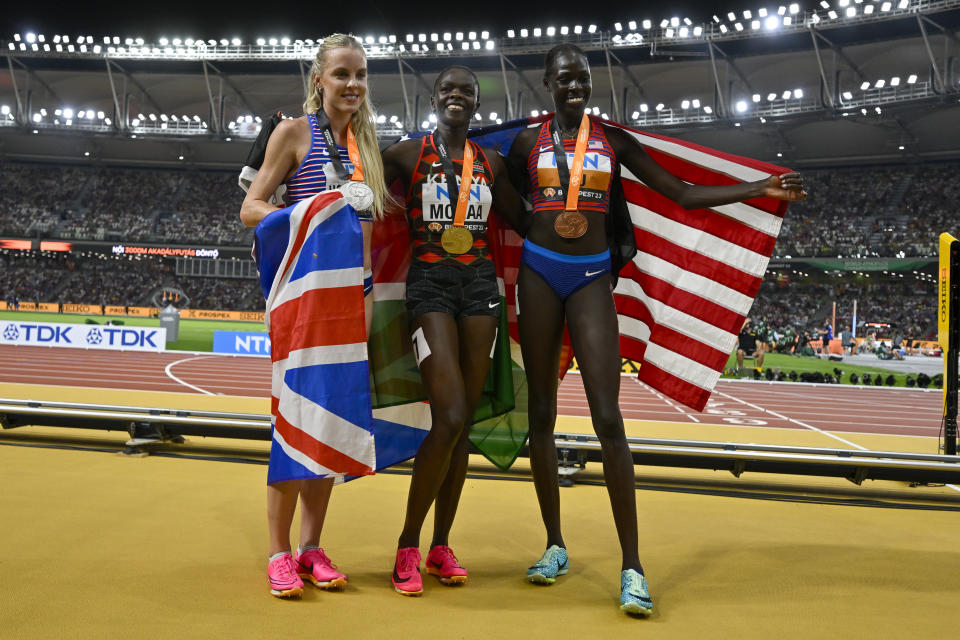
x,y
444,71
559,49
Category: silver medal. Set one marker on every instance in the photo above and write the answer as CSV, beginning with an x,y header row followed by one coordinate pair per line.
x,y
358,194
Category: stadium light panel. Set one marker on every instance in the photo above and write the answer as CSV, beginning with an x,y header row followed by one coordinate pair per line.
x,y
592,28
863,111
235,42
476,45
31,38
646,24
755,25
781,10
524,33
489,45
738,26
697,31
434,37
696,103
537,32
832,14
879,84
669,32
551,31
685,104
394,119
577,29
747,15
708,110
493,115
5,110
911,78
635,115
684,32
903,4
756,97
731,16
534,113
847,95
771,23
762,12
771,97
741,106
617,26
596,111
659,106
723,28
716,19
798,93
135,122
674,22
878,110
886,6
37,117
633,25
465,46
843,3
644,108
867,10
787,94
511,33
604,116
851,12
447,36
824,4
763,120
895,81
864,86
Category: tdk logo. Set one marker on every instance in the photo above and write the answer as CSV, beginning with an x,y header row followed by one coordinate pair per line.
x,y
52,334
37,333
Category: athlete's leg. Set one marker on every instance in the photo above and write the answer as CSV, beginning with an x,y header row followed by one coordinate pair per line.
x,y
443,381
476,339
314,498
541,335
281,504
592,320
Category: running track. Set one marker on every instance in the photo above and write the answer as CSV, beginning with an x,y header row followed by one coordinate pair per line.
x,y
761,404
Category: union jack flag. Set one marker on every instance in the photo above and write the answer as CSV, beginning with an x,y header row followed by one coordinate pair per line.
x,y
310,260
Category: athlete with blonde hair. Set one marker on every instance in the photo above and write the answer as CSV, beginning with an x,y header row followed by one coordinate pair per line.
x,y
311,154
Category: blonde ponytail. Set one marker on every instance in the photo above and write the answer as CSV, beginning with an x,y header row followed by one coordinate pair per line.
x,y
364,122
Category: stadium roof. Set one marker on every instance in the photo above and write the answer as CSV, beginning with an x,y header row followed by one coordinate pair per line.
x,y
869,84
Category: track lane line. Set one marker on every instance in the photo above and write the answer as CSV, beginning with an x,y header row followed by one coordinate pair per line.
x,y
186,384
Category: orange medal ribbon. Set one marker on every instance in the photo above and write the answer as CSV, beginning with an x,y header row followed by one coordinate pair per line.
x,y
576,171
354,152
466,179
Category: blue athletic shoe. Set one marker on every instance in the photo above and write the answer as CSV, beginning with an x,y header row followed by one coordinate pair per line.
x,y
634,593
553,563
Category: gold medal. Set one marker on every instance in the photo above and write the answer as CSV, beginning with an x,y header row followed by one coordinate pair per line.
x,y
457,240
570,224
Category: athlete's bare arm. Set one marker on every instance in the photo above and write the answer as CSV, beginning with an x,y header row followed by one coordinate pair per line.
x,y
286,148
517,158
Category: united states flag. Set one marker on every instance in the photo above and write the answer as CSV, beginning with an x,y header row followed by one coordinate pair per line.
x,y
310,261
682,300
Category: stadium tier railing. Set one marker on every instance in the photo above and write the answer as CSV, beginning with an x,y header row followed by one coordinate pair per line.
x,y
113,310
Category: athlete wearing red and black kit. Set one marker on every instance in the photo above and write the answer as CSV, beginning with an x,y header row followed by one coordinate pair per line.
x,y
458,285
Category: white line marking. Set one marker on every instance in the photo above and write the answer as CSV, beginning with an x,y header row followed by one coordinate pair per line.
x,y
783,417
656,393
166,370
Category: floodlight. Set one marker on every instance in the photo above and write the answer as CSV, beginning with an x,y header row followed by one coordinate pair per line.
x,y
864,86
911,78
669,32
723,28
135,122
755,25
697,31
683,32
37,117
524,33
781,10
394,119
863,111
31,37
901,147
878,110
903,4
511,33
794,9
787,21
716,19
738,27
578,29
493,115
886,6
465,46
564,30
851,12
867,10
107,121
895,81
731,16
260,42
674,22
879,84
762,13
847,95
798,93
832,14
534,113
593,28
741,106
596,111
5,110
664,23
551,31
489,45
153,117
273,42
617,26
708,110
633,25
771,97
424,125
786,95
695,103
772,22
476,45
685,104
659,106
763,120
163,117
747,15
434,37
68,113
604,116
646,24
235,42
824,4
537,32
756,97
644,107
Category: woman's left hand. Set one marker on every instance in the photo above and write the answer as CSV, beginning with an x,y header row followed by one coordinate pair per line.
x,y
788,186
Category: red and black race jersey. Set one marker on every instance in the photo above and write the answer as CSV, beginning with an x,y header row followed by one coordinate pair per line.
x,y
430,210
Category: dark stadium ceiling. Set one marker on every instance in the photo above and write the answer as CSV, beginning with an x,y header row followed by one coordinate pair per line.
x,y
860,60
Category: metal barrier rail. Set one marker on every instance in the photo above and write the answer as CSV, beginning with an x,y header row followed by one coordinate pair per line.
x,y
155,425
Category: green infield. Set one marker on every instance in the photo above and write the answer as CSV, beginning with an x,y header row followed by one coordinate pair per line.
x,y
787,363
195,335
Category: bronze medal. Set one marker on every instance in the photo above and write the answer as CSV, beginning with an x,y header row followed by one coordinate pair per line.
x,y
570,224
457,240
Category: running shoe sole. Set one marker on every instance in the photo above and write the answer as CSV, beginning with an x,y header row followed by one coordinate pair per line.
x,y
412,594
296,592
539,578
337,584
636,609
452,581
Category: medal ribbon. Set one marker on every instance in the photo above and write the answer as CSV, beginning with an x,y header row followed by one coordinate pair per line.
x,y
352,150
462,196
572,178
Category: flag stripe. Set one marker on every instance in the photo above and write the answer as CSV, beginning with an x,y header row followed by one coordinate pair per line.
x,y
723,228
688,281
635,322
698,263
318,451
